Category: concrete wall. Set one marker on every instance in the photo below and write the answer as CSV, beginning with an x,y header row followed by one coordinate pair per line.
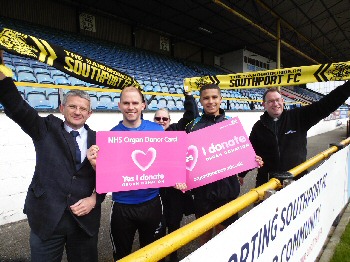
x,y
17,155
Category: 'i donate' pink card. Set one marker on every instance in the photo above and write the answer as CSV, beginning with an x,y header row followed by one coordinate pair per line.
x,y
218,151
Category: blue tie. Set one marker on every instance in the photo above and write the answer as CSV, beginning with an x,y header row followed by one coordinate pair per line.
x,y
77,150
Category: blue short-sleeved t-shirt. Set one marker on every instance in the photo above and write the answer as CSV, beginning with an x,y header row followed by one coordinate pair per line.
x,y
140,195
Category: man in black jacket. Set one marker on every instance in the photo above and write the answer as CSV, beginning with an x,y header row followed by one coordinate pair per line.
x,y
279,137
214,195
62,207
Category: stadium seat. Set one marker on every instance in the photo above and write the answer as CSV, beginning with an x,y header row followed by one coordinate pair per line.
x,y
179,104
171,105
22,90
199,105
164,89
102,105
7,60
12,68
23,68
153,105
26,77
34,90
172,90
93,100
61,80
148,88
44,79
156,88
53,100
41,71
223,105
146,82
51,91
56,72
36,64
19,61
105,101
38,101
75,81
115,95
114,105
162,103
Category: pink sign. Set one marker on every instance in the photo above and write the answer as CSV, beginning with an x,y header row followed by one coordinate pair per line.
x,y
137,160
218,151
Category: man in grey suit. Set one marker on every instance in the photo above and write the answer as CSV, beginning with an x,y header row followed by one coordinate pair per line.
x,y
62,207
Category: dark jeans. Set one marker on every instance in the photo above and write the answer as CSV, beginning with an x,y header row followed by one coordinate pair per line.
x,y
79,245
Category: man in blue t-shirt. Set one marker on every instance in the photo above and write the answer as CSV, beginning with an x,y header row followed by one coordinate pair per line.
x,y
135,209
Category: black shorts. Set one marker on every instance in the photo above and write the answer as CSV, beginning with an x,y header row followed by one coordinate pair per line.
x,y
205,206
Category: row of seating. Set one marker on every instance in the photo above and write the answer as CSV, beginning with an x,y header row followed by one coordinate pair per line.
x,y
155,73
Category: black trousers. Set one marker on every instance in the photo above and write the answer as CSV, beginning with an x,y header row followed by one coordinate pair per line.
x,y
127,218
79,245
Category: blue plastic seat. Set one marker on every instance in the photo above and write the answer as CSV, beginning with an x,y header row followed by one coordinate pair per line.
x,y
53,99
38,101
22,89
34,90
105,101
114,105
179,104
153,105
172,90
41,71
199,105
162,103
7,58
36,64
171,105
51,91
61,80
75,81
148,88
156,89
56,72
26,77
164,89
12,68
44,79
19,61
23,68
93,101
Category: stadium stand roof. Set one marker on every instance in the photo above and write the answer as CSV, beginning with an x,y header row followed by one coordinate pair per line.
x,y
318,29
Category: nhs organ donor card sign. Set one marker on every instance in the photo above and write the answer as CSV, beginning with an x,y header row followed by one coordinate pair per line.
x,y
138,160
218,151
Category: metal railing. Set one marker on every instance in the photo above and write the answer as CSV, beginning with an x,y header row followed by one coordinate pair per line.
x,y
159,249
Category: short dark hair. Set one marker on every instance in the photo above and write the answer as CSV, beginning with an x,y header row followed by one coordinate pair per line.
x,y
209,86
272,89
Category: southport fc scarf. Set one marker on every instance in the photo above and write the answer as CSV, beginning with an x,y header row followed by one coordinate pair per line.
x,y
67,61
